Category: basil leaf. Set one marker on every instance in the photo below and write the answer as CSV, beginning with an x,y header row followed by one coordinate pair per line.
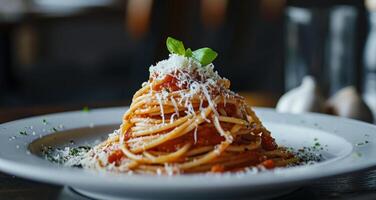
x,y
204,55
175,46
188,53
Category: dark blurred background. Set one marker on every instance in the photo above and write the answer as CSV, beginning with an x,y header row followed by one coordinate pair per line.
x,y
81,52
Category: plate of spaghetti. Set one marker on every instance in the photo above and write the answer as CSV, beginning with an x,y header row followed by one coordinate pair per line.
x,y
186,134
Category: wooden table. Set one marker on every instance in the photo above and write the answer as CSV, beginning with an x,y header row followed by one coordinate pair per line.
x,y
357,186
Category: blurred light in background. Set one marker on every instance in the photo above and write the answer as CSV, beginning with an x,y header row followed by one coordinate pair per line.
x,y
213,12
26,45
11,9
64,7
137,16
272,9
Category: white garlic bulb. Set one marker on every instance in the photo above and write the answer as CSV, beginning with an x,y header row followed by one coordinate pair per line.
x,y
305,98
348,103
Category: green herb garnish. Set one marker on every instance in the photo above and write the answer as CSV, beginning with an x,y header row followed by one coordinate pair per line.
x,y
23,132
85,109
188,53
77,150
204,55
74,152
175,46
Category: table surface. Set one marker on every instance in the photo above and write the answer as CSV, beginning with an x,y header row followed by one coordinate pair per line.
x,y
359,186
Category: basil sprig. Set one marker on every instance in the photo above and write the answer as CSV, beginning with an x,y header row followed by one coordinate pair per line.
x,y
175,46
204,55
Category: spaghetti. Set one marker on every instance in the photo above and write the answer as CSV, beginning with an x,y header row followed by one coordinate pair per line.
x,y
186,119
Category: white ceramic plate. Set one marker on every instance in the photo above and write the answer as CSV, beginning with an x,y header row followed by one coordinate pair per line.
x,y
348,146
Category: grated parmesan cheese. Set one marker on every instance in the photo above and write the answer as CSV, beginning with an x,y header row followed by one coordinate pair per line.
x,y
175,106
159,98
206,82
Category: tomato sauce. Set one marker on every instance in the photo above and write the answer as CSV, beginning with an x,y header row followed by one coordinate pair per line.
x,y
268,143
115,157
230,109
169,82
268,164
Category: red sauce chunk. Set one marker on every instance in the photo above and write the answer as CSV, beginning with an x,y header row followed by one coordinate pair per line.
x,y
268,143
115,156
268,164
169,82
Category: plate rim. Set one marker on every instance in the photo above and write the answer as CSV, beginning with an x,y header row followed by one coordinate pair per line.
x,y
139,180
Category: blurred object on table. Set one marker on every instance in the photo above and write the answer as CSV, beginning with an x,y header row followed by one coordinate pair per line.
x,y
347,102
340,59
305,29
321,42
305,98
369,60
324,40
